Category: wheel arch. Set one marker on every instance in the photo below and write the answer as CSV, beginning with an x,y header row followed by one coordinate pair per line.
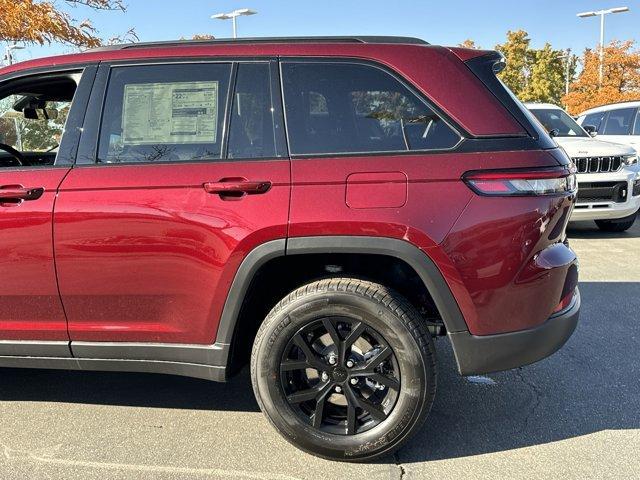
x,y
423,266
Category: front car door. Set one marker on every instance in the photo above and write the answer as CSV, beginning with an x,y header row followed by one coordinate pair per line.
x,y
38,111
179,176
617,125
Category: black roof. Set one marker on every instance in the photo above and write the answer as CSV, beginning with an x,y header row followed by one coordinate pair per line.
x,y
217,41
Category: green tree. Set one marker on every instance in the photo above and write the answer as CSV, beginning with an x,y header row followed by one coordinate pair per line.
x,y
517,54
546,79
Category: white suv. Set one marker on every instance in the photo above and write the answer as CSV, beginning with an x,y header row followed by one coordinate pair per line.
x,y
608,173
618,123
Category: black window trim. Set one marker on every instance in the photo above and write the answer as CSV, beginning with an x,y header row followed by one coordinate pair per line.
x,y
461,132
89,141
73,126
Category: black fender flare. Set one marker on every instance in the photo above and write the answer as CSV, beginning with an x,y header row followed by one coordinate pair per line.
x,y
405,251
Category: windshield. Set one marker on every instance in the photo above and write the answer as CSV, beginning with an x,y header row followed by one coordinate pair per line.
x,y
558,123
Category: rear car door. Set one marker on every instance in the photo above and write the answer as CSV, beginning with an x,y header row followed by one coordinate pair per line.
x,y
38,111
179,176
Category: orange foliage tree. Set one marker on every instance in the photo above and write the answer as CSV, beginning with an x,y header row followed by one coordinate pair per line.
x,y
621,79
42,21
468,43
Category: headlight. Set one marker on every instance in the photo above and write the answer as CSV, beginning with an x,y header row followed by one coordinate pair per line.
x,y
629,160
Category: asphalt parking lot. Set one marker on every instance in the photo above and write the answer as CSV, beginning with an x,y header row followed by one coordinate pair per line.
x,y
574,415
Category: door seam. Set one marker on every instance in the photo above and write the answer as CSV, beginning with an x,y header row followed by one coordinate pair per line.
x,y
55,262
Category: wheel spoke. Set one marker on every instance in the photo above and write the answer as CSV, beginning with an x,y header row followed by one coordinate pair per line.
x,y
351,419
331,329
385,380
312,358
356,330
374,410
335,338
352,403
320,401
374,361
309,394
289,365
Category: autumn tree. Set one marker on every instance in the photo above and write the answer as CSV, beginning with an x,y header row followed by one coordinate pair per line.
x,y
468,43
43,21
517,55
621,79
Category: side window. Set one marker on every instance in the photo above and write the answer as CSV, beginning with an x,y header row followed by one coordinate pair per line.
x,y
159,113
33,113
251,131
619,121
636,125
352,108
594,119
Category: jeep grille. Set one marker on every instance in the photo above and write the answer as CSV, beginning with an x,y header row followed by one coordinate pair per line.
x,y
598,164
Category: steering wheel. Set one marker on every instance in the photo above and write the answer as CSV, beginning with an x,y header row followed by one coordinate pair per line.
x,y
19,158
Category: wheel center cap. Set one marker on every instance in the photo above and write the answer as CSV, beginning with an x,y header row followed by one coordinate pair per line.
x,y
339,374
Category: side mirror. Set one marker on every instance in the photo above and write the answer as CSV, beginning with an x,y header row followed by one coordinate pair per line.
x,y
554,132
591,130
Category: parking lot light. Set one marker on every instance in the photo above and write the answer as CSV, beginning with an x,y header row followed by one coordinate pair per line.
x,y
233,15
602,13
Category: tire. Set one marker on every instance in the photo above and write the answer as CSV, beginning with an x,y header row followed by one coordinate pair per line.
x,y
618,225
341,320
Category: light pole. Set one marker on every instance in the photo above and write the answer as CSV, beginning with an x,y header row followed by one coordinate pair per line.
x,y
7,52
602,13
233,15
567,68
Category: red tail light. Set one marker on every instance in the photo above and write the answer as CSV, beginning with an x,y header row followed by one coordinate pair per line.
x,y
522,182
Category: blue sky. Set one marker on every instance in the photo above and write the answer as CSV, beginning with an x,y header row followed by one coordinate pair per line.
x,y
446,22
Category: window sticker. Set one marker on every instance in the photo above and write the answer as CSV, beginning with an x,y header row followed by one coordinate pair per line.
x,y
181,112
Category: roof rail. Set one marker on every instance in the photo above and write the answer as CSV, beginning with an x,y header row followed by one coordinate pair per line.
x,y
217,41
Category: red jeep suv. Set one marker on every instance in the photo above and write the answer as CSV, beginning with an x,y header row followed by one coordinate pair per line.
x,y
322,208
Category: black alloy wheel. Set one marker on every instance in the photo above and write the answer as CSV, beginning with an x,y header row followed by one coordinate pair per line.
x,y
340,375
344,369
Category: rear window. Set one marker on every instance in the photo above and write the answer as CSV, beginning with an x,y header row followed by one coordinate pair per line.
x,y
156,113
334,108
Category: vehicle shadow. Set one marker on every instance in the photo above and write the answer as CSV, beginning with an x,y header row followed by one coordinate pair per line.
x,y
127,389
588,386
589,231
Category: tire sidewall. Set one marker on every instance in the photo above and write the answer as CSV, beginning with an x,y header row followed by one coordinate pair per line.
x,y
416,377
